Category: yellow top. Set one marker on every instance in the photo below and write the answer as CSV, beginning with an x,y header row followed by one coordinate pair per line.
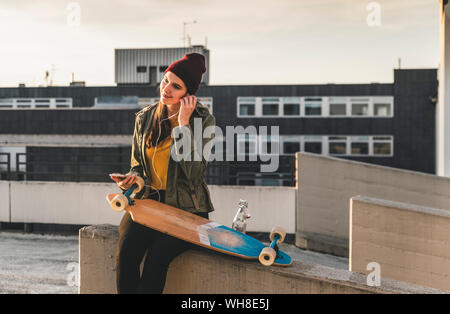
x,y
159,160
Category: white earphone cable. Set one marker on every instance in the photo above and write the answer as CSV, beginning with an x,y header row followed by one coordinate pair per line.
x,y
154,153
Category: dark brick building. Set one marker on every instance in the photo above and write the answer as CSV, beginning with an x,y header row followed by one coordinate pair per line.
x,y
391,124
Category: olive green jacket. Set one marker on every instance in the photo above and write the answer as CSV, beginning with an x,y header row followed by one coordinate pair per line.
x,y
186,187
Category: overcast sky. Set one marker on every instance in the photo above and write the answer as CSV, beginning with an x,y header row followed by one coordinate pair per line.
x,y
250,41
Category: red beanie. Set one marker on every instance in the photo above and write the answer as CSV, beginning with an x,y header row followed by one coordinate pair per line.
x,y
190,70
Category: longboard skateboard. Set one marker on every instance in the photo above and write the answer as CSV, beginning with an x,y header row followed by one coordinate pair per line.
x,y
200,231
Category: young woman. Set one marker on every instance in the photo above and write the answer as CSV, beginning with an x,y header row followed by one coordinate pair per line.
x,y
176,182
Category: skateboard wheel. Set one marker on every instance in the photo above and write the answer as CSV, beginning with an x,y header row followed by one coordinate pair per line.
x,y
140,185
280,231
119,202
267,256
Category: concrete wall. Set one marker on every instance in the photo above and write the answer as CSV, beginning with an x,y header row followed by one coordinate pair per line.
x,y
205,271
326,185
4,201
61,203
85,204
410,243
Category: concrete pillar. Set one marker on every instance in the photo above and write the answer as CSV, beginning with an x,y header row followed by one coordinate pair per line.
x,y
443,107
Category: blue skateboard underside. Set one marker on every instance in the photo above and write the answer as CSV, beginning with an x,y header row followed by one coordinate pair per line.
x,y
227,239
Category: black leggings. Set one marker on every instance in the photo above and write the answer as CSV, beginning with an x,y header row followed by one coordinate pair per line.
x,y
134,240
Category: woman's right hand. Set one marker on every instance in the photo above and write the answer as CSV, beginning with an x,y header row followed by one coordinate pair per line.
x,y
125,183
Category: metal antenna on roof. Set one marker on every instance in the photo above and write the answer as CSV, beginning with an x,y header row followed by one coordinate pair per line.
x,y
184,30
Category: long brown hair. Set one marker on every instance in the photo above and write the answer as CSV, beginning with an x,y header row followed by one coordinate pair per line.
x,y
157,126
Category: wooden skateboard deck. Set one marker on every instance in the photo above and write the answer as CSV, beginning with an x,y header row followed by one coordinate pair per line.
x,y
198,230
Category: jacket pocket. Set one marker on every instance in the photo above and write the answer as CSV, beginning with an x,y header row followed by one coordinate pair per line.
x,y
184,197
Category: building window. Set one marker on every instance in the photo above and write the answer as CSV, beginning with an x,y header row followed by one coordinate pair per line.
x,y
207,101
382,145
245,178
338,109
247,109
337,145
359,145
10,155
270,106
381,148
290,144
362,145
269,145
34,103
337,106
382,110
360,148
291,106
313,106
116,102
141,69
360,106
217,150
291,147
270,182
291,109
246,106
247,145
360,109
313,147
313,144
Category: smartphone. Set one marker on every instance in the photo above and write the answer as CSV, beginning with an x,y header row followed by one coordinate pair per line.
x,y
118,176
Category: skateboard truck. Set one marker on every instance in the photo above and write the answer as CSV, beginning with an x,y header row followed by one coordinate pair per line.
x,y
270,253
119,202
274,245
129,193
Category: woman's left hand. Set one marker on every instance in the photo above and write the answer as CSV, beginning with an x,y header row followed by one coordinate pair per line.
x,y
187,106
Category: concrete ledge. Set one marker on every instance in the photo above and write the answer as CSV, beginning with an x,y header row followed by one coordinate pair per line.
x,y
410,243
325,185
204,271
97,258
